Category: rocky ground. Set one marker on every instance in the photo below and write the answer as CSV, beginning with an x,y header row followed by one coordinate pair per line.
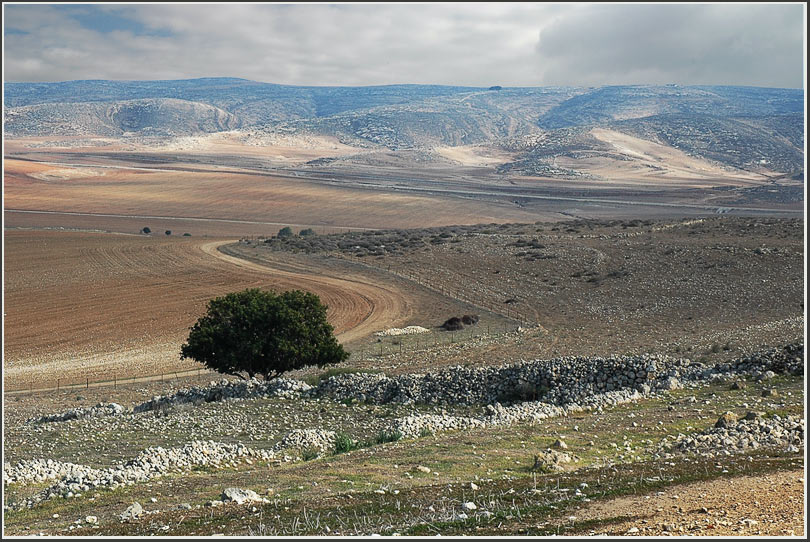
x,y
597,287
723,507
287,423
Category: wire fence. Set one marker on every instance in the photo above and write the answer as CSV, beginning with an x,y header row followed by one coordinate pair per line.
x,y
39,384
385,346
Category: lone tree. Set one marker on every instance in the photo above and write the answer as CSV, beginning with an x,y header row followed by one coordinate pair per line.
x,y
263,333
146,230
285,232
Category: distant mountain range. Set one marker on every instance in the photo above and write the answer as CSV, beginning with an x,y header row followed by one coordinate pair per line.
x,y
741,127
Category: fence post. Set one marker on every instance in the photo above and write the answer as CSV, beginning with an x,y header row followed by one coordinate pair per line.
x,y
115,381
88,383
57,384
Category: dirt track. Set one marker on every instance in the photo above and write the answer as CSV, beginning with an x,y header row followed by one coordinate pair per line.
x,y
88,305
356,307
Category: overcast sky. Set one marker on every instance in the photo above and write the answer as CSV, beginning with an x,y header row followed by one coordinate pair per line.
x,y
529,44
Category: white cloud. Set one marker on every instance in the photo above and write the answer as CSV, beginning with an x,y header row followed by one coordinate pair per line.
x,y
529,44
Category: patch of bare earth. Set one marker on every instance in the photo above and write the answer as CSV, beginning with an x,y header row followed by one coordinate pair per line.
x,y
765,505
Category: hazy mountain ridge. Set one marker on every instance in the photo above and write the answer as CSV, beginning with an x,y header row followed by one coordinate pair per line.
x,y
614,103
740,127
158,116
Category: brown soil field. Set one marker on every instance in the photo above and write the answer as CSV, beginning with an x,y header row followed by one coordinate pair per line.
x,y
240,196
92,305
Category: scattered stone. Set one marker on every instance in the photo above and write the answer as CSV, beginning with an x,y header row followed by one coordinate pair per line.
x,y
550,460
240,496
134,512
560,444
727,419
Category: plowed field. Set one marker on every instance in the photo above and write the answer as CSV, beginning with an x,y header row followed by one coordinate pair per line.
x,y
93,305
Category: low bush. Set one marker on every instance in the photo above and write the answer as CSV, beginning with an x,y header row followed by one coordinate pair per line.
x,y
453,324
344,443
387,436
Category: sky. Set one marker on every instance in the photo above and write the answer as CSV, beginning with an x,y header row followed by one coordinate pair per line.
x,y
468,44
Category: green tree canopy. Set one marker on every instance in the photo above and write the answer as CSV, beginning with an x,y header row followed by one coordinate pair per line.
x,y
286,231
263,333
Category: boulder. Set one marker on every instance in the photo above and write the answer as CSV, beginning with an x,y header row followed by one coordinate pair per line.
x,y
240,496
134,512
726,420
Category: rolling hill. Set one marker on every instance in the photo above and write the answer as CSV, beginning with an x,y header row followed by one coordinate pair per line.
x,y
744,128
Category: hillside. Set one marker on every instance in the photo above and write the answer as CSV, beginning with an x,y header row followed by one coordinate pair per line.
x,y
758,130
152,116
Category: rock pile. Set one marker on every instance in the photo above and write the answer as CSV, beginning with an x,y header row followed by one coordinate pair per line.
x,y
550,461
150,463
226,390
750,433
241,496
303,439
41,470
101,409
559,381
409,330
787,359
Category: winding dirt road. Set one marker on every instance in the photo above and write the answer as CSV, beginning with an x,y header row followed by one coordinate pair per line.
x,y
95,306
357,307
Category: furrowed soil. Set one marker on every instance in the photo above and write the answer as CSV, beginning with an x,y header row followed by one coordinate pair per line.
x,y
90,305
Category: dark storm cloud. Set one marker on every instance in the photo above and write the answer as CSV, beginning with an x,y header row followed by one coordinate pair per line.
x,y
465,44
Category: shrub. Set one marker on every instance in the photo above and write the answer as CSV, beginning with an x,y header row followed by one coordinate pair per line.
x,y
263,333
146,230
387,436
344,443
308,454
453,324
186,235
168,232
285,232
307,232
470,319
